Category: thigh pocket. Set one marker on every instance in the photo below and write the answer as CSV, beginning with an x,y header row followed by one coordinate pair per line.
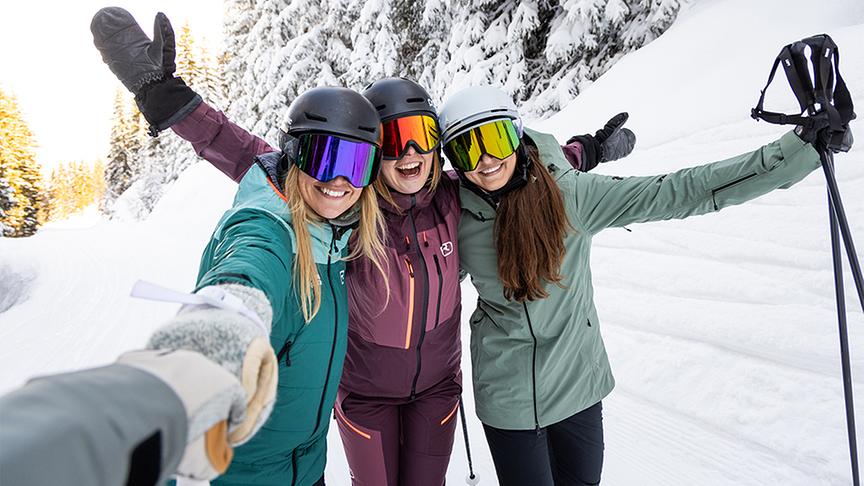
x,y
363,450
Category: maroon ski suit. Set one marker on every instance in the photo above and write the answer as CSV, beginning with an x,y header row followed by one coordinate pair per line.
x,y
400,388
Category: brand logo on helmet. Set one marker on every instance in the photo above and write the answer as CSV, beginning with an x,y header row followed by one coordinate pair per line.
x,y
447,248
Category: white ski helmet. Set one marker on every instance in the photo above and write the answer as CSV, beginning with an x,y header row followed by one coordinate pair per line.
x,y
473,106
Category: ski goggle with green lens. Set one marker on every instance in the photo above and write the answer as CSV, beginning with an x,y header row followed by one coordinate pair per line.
x,y
326,157
421,131
499,138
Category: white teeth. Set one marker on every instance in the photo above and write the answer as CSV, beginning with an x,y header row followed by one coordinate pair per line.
x,y
491,170
409,166
332,193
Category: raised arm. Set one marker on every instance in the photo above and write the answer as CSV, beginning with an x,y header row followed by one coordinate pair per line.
x,y
223,143
604,201
146,67
612,142
136,421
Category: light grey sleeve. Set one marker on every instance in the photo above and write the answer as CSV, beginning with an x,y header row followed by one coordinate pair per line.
x,y
85,427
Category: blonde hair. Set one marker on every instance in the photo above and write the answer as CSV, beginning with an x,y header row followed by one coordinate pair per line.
x,y
368,243
384,191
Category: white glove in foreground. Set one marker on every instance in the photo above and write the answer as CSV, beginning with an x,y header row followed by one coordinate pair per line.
x,y
236,336
212,397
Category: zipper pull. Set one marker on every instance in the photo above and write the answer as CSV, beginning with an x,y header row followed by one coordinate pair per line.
x,y
410,267
407,243
285,351
425,241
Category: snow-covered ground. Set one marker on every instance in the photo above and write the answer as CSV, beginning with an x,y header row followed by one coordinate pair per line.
x,y
721,329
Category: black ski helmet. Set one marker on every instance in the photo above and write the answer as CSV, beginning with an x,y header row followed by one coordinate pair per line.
x,y
337,111
397,97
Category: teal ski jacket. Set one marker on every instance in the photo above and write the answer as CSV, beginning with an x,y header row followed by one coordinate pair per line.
x,y
539,362
253,245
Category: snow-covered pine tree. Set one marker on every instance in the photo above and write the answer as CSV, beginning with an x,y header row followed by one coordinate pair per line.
x,y
293,45
543,52
422,28
121,169
156,162
240,18
486,46
584,39
375,45
21,171
188,63
212,87
7,200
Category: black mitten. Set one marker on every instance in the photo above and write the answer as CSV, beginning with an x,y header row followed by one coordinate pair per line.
x,y
145,67
611,142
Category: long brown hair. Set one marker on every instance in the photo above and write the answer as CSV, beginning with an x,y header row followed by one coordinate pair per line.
x,y
530,227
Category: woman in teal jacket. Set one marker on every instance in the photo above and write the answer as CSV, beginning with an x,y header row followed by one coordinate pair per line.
x,y
285,238
540,368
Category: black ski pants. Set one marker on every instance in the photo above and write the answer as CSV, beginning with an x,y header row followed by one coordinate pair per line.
x,y
568,453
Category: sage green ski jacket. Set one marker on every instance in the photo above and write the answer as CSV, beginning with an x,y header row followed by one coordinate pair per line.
x,y
537,363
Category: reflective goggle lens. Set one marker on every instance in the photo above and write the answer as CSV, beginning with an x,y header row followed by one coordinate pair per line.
x,y
326,157
498,139
422,130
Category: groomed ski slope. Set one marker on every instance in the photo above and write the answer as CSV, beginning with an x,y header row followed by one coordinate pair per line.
x,y
721,329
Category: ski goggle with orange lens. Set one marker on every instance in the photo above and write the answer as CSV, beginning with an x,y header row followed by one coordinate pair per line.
x,y
421,131
499,138
326,157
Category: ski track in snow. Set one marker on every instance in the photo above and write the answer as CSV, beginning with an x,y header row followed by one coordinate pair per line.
x,y
721,329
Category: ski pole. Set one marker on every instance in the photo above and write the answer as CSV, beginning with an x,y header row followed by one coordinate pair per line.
x,y
471,479
837,220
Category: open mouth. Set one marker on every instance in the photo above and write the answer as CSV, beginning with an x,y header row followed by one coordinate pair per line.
x,y
492,170
411,169
332,194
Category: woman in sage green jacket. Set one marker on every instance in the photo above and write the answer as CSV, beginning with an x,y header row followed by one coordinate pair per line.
x,y
540,368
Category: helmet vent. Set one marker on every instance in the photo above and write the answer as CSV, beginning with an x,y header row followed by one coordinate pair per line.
x,y
313,116
380,107
415,100
368,129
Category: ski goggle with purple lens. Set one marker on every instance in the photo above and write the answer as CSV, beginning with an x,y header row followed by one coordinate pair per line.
x,y
326,157
499,139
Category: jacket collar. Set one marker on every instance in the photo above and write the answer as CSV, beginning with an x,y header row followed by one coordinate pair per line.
x,y
482,206
258,190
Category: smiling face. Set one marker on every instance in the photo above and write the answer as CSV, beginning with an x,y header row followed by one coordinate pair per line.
x,y
409,174
492,174
330,199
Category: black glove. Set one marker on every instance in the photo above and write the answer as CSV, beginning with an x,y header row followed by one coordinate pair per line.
x,y
145,67
611,142
822,137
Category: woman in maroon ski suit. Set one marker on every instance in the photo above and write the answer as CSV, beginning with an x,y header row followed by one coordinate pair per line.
x,y
401,384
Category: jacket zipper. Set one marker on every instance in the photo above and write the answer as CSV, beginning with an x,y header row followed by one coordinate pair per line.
x,y
410,320
294,467
423,331
425,307
335,334
727,185
285,351
533,368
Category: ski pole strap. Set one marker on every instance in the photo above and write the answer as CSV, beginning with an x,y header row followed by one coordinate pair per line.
x,y
826,91
211,296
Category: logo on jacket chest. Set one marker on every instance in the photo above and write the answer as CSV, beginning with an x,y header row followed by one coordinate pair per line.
x,y
447,248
